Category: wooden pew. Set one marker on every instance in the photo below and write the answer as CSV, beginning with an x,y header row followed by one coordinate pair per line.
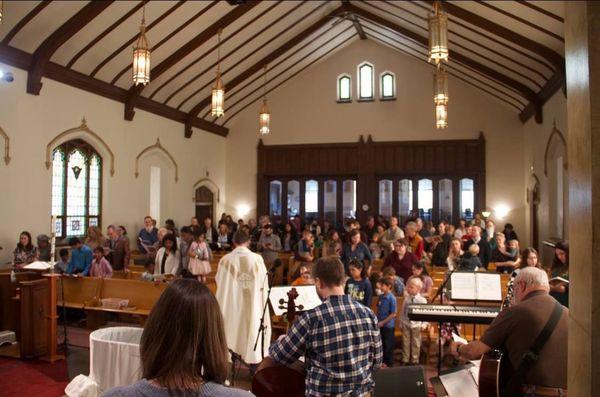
x,y
79,292
142,296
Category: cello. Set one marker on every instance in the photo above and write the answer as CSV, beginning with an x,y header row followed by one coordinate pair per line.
x,y
275,380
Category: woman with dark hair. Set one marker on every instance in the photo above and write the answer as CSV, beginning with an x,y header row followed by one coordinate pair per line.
x,y
168,256
509,232
419,270
26,252
559,273
289,237
183,348
355,249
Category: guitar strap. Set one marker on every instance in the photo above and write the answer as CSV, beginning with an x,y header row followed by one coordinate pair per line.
x,y
531,356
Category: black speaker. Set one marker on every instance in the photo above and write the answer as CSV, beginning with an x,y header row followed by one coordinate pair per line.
x,y
400,382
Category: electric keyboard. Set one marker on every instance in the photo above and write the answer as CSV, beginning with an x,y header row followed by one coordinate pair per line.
x,y
453,314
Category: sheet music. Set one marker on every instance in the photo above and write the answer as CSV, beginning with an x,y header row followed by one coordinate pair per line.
x,y
460,384
37,265
307,298
463,285
488,286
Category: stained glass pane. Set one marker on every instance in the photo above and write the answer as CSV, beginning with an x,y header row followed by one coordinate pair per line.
x,y
405,199
93,221
293,198
58,227
385,197
94,206
275,188
467,198
365,84
311,199
330,201
425,197
76,200
57,183
349,199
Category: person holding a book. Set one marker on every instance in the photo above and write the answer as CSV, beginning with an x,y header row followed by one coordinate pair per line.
x,y
148,237
559,273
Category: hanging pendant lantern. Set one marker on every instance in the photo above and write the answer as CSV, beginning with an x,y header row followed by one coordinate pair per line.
x,y
440,86
264,117
438,34
441,116
141,56
218,92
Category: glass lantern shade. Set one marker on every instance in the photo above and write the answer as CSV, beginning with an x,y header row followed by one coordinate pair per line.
x,y
264,119
441,116
440,87
438,35
141,59
218,98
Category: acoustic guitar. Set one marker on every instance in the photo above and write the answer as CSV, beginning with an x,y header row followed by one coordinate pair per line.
x,y
276,380
496,370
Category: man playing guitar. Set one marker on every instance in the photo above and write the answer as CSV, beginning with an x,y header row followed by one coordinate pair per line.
x,y
517,330
338,339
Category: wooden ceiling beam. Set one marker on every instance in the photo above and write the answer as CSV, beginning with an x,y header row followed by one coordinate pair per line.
x,y
24,21
268,59
186,49
23,60
525,91
359,29
44,52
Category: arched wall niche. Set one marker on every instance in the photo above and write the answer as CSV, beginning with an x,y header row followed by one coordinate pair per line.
x,y
85,133
156,147
556,144
210,184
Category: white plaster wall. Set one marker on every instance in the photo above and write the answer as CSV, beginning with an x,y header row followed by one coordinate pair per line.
x,y
304,110
33,121
536,138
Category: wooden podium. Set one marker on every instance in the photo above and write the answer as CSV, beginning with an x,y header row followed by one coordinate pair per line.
x,y
36,322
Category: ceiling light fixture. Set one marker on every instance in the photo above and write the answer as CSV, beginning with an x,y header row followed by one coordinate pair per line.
x,y
438,34
141,55
218,91
264,117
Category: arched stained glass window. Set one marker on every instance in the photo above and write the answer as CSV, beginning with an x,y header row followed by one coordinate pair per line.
x,y
76,188
387,89
344,88
365,81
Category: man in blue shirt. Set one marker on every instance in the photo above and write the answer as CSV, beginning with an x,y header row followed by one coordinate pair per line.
x,y
338,339
148,236
81,257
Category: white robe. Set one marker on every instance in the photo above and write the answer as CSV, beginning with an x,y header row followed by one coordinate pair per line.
x,y
242,287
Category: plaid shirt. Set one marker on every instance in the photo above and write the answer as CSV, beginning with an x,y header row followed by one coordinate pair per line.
x,y
341,344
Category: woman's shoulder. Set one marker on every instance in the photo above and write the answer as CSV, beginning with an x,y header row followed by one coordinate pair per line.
x,y
138,389
211,389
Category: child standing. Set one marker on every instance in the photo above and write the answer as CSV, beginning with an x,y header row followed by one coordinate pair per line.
x,y
386,315
100,266
199,253
358,285
411,330
61,266
390,273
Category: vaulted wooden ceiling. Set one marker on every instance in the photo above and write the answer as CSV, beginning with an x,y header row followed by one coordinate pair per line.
x,y
511,50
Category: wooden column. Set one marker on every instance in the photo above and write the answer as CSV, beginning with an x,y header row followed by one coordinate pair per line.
x,y
52,319
582,49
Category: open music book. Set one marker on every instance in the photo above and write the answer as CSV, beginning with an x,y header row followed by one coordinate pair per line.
x,y
475,286
307,298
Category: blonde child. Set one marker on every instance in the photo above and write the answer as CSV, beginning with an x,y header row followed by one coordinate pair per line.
x,y
411,330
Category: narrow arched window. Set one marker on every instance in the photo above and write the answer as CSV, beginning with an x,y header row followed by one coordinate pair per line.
x,y
344,88
76,188
365,81
387,88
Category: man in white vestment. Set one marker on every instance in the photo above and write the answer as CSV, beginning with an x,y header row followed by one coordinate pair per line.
x,y
242,287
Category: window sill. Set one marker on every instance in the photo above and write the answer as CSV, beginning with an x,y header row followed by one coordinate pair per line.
x,y
366,100
393,98
344,101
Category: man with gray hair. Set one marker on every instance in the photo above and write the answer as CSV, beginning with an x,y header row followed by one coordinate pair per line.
x,y
516,329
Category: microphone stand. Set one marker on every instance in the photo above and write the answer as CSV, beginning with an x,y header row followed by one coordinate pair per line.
x,y
440,293
261,327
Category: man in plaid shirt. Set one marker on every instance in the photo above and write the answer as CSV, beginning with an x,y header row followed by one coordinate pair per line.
x,y
339,339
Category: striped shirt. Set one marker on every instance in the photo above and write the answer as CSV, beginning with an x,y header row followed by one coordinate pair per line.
x,y
341,345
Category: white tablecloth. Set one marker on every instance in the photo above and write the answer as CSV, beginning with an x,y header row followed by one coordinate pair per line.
x,y
114,361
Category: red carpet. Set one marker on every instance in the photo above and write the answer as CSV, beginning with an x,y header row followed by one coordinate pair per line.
x,y
32,378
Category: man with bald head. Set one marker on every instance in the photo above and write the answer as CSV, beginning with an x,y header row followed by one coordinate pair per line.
x,y
516,329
